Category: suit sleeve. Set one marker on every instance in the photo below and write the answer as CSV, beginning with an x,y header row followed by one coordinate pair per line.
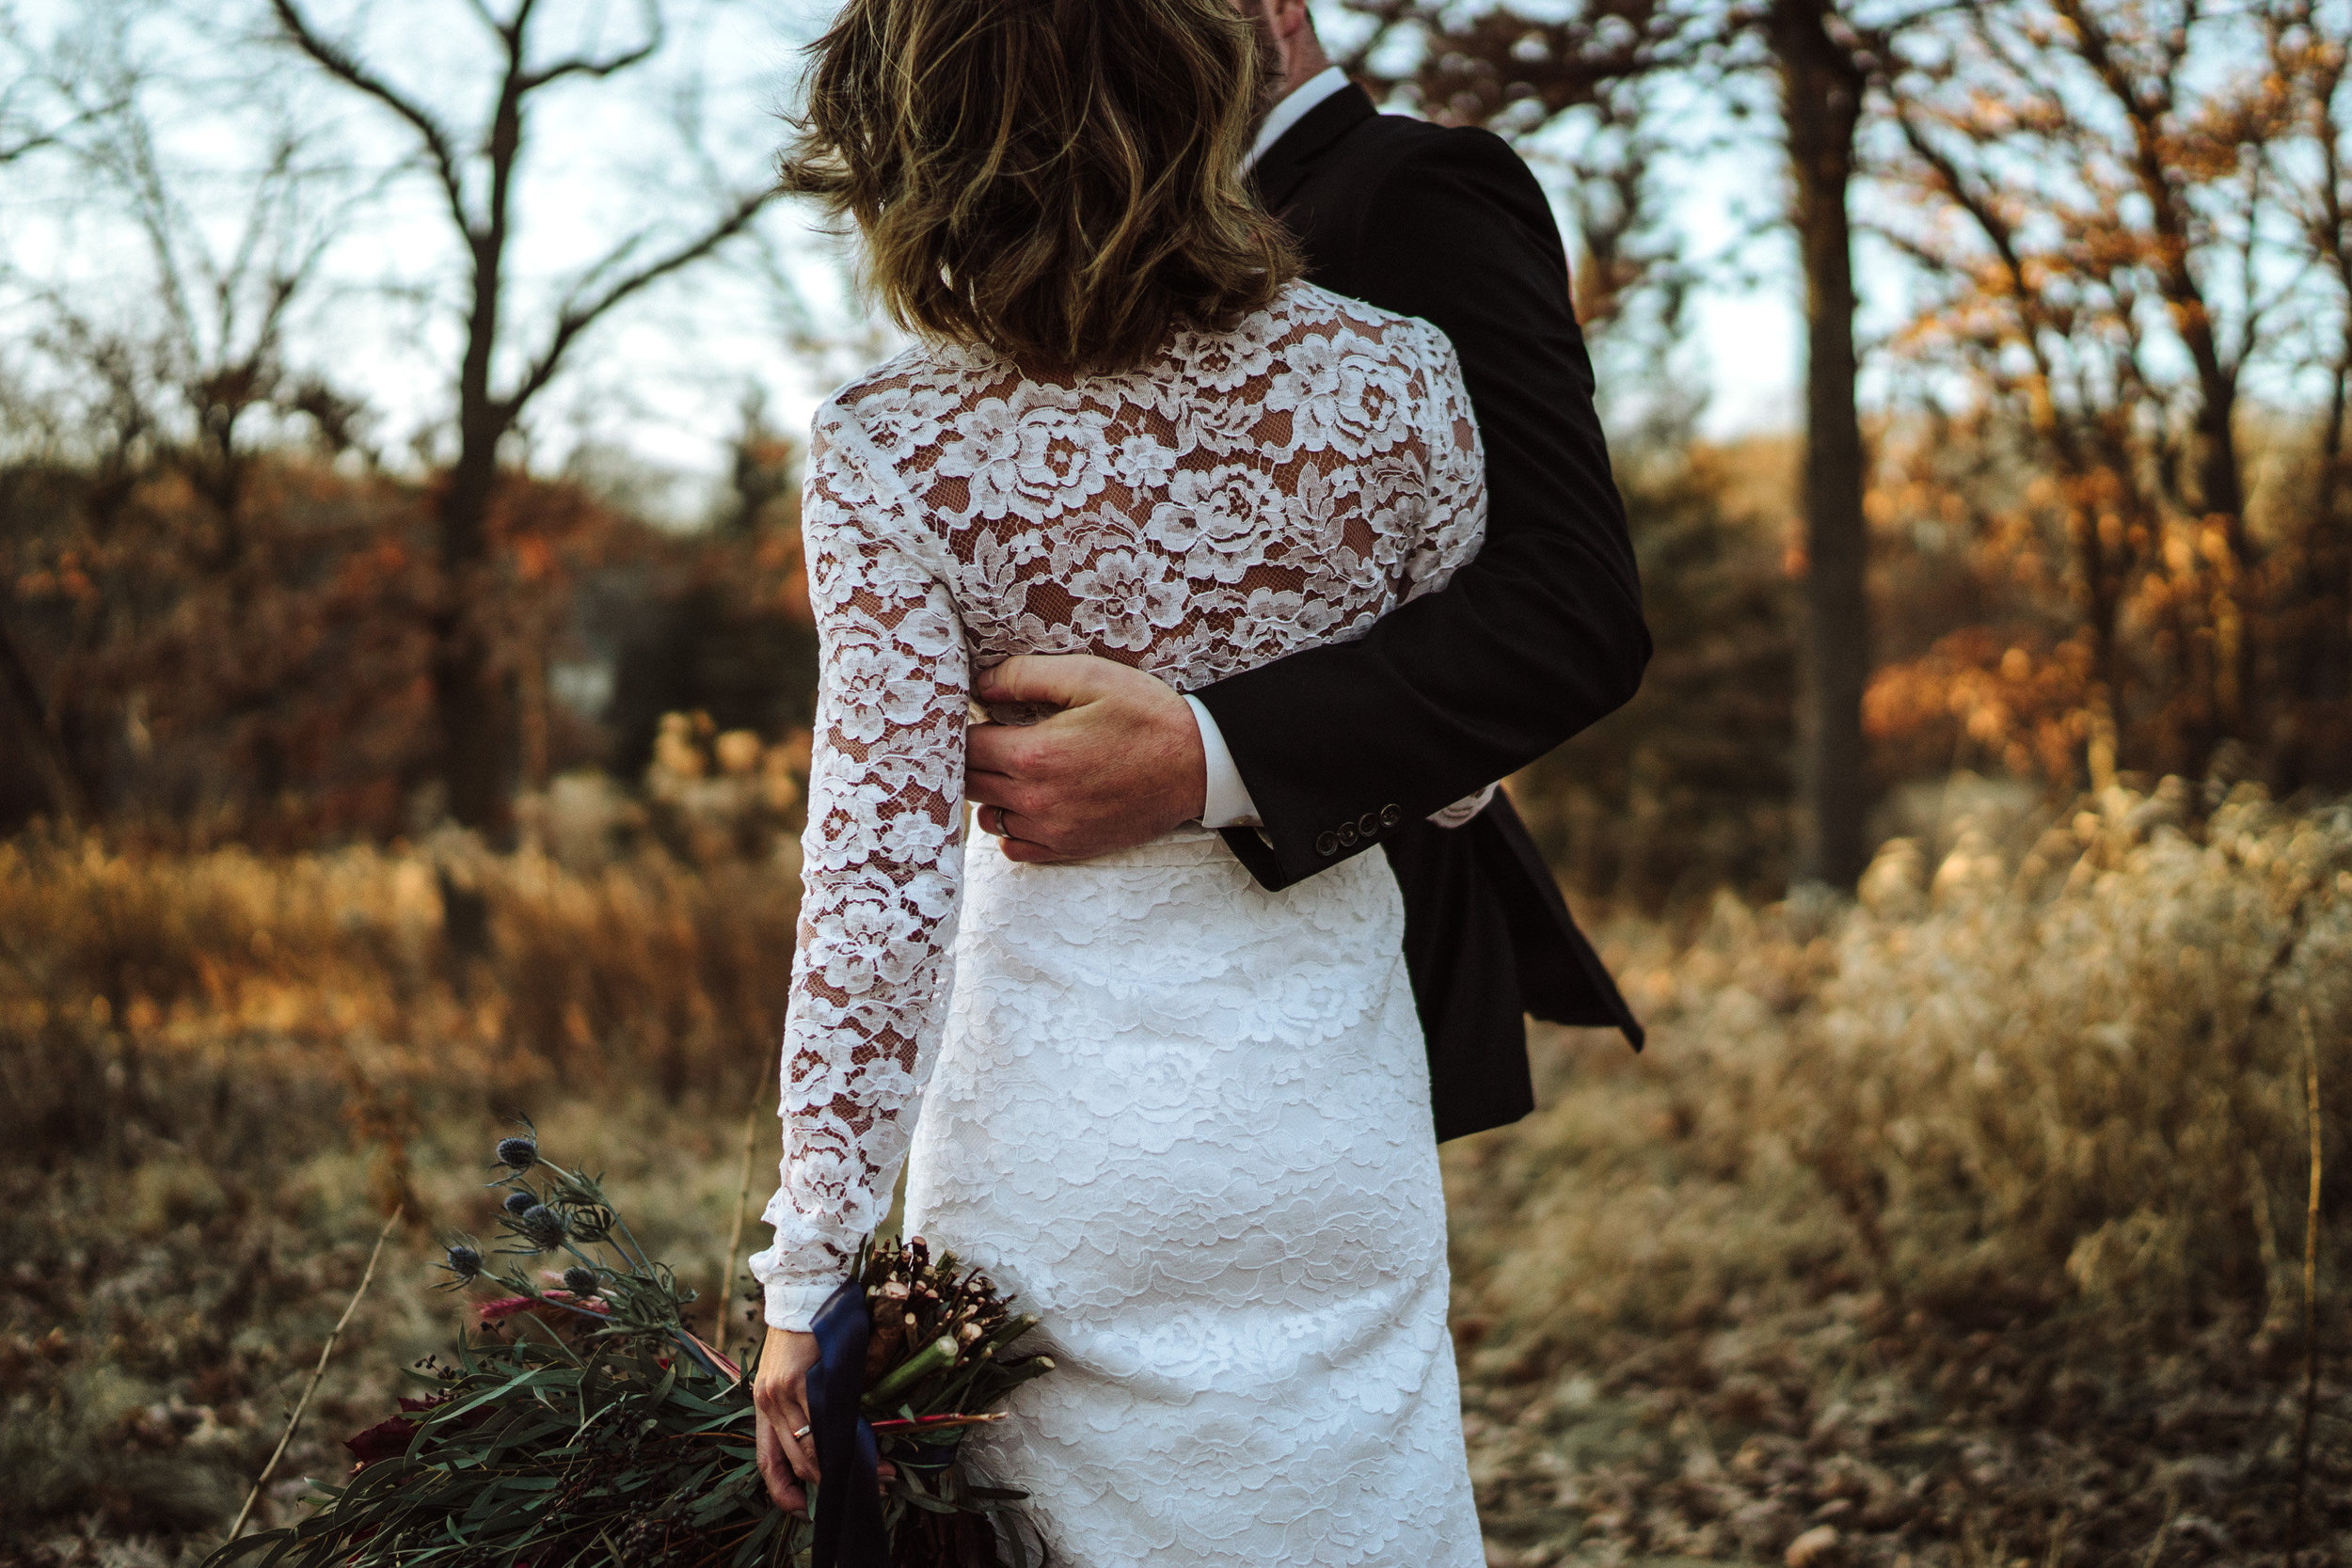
x,y
1537,636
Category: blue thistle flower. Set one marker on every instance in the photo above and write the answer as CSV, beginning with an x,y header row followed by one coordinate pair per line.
x,y
580,1281
519,1154
464,1262
542,1226
518,1202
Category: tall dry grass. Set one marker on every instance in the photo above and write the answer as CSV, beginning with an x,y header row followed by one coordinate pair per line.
x,y
163,991
2056,1081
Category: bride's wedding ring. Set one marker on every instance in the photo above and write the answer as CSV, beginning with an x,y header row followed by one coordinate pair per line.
x,y
803,1432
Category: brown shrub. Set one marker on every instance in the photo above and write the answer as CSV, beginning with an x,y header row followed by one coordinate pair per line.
x,y
2057,1086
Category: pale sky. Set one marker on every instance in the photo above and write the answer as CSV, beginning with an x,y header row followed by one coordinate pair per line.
x,y
664,379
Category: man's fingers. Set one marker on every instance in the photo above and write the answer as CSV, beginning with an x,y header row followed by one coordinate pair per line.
x,y
1009,750
1063,680
999,823
1020,837
1029,852
985,786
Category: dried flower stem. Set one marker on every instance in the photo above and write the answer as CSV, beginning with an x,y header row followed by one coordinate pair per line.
x,y
2171,1512
2310,1267
735,1230
316,1372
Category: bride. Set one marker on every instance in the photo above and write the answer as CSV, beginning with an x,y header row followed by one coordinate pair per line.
x,y
1187,1120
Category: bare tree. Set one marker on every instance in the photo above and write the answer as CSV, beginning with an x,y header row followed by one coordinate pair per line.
x,y
1518,73
477,171
2090,186
44,95
42,104
1518,66
218,346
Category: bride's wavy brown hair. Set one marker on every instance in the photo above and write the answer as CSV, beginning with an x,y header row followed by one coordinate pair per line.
x,y
1055,180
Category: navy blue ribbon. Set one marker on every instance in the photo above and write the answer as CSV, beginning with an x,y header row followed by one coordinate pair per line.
x,y
848,1530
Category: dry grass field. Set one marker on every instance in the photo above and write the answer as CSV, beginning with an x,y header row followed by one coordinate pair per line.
x,y
1964,1226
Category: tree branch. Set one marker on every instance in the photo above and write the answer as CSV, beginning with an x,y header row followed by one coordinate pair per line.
x,y
11,152
335,62
611,65
577,315
35,141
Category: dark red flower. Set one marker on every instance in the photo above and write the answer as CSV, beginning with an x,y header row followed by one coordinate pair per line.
x,y
386,1439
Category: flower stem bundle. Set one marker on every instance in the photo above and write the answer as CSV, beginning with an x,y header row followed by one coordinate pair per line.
x,y
582,1422
938,1364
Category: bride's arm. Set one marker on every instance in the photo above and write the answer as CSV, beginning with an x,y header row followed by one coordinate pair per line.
x,y
881,861
1454,520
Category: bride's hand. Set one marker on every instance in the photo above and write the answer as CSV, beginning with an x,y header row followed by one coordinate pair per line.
x,y
1118,765
788,1457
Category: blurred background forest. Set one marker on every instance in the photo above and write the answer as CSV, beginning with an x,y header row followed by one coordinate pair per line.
x,y
405,667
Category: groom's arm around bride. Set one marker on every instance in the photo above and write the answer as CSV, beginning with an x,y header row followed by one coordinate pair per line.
x,y
1335,749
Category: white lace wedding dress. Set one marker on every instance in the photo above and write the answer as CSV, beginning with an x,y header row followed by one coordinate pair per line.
x,y
1185,1118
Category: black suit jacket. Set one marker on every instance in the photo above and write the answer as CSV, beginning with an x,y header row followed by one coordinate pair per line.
x,y
1354,744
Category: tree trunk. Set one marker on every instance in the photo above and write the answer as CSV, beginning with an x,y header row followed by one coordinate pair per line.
x,y
475,723
2320,738
67,796
1821,87
474,718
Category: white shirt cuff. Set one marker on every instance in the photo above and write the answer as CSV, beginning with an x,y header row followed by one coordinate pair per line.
x,y
1463,809
1227,802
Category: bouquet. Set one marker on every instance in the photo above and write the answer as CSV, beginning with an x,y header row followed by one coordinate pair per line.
x,y
582,1422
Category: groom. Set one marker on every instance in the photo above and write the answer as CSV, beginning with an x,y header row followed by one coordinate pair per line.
x,y
1322,754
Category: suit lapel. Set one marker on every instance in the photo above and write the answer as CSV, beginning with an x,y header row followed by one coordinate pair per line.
x,y
1291,159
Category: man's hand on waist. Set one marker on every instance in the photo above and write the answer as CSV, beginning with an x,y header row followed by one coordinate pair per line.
x,y
1119,763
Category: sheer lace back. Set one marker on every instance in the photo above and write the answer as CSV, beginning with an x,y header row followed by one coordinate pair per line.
x,y
1253,493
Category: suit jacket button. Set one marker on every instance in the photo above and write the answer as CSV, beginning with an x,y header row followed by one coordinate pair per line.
x,y
1390,815
1368,824
1327,845
1348,832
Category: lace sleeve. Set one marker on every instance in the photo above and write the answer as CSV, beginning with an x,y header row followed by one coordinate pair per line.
x,y
1453,525
1456,523
880,865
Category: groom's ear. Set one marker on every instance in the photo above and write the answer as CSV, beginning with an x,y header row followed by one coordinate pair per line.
x,y
1291,26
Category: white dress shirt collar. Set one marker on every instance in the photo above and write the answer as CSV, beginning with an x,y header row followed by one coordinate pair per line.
x,y
1294,108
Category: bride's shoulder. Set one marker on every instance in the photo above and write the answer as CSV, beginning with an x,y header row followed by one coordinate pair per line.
x,y
916,373
889,412
1304,308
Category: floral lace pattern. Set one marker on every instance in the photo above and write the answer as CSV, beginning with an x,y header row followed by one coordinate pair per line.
x,y
1254,492
1187,1120
1186,1117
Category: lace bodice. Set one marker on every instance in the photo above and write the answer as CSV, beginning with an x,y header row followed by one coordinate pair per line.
x,y
1252,493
